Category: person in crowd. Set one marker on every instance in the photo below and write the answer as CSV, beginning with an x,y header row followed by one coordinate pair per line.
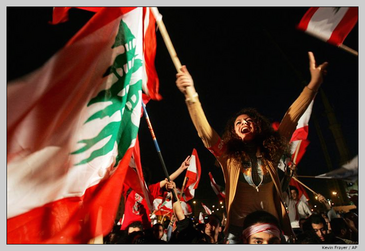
x,y
317,233
135,226
297,208
342,231
249,151
213,228
136,208
171,227
185,232
352,220
261,227
158,232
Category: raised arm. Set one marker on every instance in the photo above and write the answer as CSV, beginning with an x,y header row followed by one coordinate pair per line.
x,y
296,110
184,165
197,115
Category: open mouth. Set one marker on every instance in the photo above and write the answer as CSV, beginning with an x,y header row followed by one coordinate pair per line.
x,y
245,130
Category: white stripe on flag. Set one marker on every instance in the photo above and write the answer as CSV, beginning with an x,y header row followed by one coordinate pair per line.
x,y
324,21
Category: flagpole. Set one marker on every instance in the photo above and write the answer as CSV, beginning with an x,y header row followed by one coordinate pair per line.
x,y
183,186
157,147
348,49
305,186
296,153
170,47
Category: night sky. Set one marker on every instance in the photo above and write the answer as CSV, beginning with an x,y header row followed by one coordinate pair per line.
x,y
239,57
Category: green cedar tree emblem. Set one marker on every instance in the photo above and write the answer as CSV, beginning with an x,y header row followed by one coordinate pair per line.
x,y
124,97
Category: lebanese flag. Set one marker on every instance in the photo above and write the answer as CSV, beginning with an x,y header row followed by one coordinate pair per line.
x,y
192,176
207,210
330,24
150,83
134,177
299,140
218,190
71,130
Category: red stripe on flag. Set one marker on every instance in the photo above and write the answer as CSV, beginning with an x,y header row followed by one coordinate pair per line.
x,y
303,24
150,45
300,134
51,223
301,151
100,19
344,27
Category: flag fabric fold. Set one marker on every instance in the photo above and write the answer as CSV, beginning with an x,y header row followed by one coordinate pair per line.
x,y
206,209
201,218
192,176
72,127
330,24
348,172
218,190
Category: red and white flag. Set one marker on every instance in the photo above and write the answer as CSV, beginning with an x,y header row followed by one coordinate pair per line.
x,y
192,175
218,190
207,210
330,24
201,218
71,130
299,140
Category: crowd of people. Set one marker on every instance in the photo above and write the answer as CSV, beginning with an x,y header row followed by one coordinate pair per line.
x,y
324,226
260,210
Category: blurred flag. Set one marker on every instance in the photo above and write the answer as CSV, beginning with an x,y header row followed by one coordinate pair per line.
x,y
193,176
348,172
207,210
298,141
201,218
71,130
330,24
218,190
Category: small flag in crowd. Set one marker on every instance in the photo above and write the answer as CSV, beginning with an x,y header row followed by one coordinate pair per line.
x,y
192,175
207,210
201,218
218,190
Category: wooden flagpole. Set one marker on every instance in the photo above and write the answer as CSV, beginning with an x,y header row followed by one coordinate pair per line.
x,y
348,49
305,185
183,186
296,152
295,161
170,47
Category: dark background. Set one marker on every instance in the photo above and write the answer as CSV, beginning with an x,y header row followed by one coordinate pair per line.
x,y
239,57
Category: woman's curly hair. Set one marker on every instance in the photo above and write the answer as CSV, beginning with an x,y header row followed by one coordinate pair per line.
x,y
272,145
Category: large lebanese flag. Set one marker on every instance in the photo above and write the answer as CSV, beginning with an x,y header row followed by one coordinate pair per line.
x,y
330,24
71,129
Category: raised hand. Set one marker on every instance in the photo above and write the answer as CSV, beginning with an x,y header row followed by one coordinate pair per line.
x,y
317,72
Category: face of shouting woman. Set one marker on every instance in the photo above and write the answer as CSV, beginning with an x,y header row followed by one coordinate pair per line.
x,y
244,127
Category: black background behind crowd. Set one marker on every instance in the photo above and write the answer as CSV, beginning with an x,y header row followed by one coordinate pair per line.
x,y
239,57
